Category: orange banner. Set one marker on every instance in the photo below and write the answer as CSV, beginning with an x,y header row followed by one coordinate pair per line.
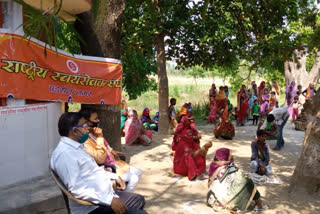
x,y
25,72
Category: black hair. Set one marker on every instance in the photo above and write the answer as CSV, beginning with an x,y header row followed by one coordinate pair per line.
x,y
260,132
67,121
172,100
273,92
221,88
86,113
270,118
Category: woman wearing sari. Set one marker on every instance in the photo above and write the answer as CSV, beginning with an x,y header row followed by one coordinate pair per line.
x,y
264,101
213,91
183,111
186,143
135,131
225,128
221,100
309,92
276,88
290,93
146,120
212,110
228,187
261,87
243,105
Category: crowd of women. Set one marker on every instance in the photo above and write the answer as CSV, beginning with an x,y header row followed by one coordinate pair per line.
x,y
257,103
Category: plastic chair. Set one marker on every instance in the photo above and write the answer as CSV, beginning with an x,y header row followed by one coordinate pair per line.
x,y
66,194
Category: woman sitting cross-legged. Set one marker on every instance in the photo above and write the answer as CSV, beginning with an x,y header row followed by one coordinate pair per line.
x,y
225,128
135,131
229,189
146,120
189,159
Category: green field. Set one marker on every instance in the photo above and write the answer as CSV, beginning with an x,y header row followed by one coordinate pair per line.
x,y
184,90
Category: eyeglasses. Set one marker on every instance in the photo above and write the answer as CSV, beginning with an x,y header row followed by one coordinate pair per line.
x,y
78,126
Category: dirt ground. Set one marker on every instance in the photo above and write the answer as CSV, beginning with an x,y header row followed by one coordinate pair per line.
x,y
165,194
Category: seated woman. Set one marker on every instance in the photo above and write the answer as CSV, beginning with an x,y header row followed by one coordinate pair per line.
x,y
271,129
100,150
188,115
183,111
260,155
225,128
228,187
189,159
146,120
156,121
135,131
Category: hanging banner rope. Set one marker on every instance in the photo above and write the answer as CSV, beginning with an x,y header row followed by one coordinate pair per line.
x,y
25,72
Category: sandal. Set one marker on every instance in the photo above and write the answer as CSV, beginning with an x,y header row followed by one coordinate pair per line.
x,y
263,208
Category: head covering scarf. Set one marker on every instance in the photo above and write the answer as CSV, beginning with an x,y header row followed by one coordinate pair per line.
x,y
222,157
156,118
261,87
310,92
221,95
145,117
293,91
183,110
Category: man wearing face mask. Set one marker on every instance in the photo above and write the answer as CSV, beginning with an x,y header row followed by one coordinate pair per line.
x,y
100,150
83,177
96,146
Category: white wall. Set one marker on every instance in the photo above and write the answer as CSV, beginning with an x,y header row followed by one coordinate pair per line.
x,y
28,135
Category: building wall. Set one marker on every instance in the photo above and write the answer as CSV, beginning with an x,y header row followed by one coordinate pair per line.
x,y
28,135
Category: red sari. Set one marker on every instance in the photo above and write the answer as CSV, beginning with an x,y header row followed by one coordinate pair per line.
x,y
184,144
243,106
225,128
213,111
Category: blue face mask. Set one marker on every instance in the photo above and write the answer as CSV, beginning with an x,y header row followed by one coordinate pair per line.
x,y
84,137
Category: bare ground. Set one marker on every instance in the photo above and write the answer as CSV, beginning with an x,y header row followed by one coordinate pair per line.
x,y
167,194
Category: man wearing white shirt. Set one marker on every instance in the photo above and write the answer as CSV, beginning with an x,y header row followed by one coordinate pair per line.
x,y
84,178
281,116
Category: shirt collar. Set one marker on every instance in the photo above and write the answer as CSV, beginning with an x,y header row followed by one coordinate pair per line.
x,y
70,142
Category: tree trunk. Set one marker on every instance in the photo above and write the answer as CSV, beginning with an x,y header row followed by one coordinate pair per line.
x,y
104,41
296,70
162,77
307,172
162,85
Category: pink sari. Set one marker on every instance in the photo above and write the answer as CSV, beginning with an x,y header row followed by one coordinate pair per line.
x,y
134,131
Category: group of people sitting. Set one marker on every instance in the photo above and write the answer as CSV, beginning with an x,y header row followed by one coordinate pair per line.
x,y
89,167
137,130
220,109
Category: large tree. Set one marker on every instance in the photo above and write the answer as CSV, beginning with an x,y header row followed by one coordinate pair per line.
x,y
102,38
307,172
149,23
